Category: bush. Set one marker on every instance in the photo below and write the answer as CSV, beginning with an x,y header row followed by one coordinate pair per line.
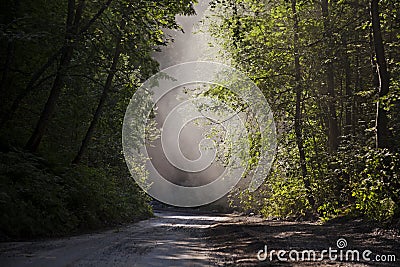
x,y
362,181
378,192
282,195
97,198
37,199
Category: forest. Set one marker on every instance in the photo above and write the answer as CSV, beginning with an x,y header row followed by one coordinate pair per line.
x,y
329,70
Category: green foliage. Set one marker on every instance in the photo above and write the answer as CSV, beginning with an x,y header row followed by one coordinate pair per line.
x,y
329,210
98,198
377,194
47,195
286,198
37,199
33,198
355,179
282,195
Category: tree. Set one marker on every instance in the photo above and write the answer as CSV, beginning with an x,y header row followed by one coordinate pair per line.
x,y
298,114
74,16
280,53
103,98
125,19
382,131
333,129
35,82
70,75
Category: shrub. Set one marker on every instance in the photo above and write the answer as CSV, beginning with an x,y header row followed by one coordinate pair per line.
x,y
37,199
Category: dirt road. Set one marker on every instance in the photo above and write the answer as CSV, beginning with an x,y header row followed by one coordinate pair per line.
x,y
169,239
178,238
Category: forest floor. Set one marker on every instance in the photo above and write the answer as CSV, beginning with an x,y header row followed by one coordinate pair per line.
x,y
183,238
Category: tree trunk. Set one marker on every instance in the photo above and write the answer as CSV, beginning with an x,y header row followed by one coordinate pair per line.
x,y
103,98
357,85
298,116
333,129
381,124
348,91
72,25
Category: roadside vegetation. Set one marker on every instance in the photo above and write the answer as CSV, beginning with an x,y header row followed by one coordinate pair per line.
x,y
330,71
68,71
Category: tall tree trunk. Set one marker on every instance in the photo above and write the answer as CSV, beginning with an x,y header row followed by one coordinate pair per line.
x,y
333,129
357,86
382,131
298,125
72,25
348,90
103,98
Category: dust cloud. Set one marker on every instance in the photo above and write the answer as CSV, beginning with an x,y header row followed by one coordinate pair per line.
x,y
189,45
